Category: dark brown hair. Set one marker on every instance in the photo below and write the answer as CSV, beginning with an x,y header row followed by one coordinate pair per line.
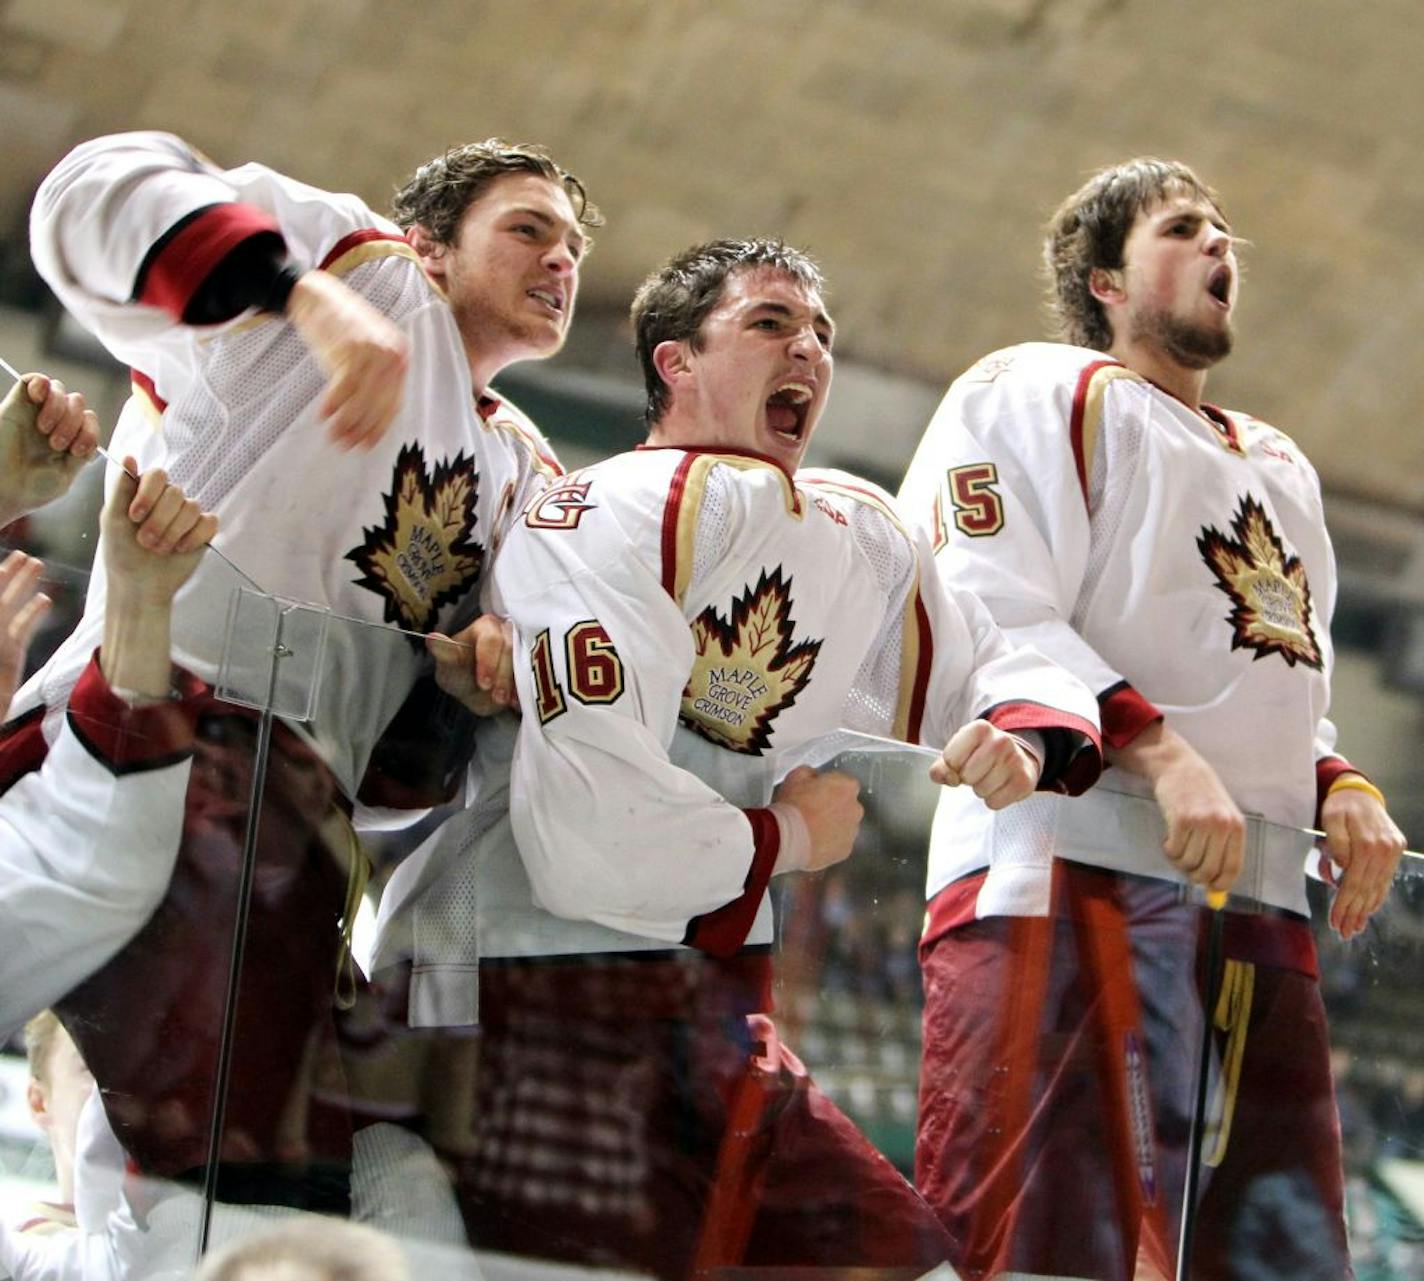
x,y
1089,230
438,193
672,303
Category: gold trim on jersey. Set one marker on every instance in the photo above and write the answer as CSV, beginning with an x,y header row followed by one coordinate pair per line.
x,y
689,507
1093,411
370,250
910,673
149,405
535,445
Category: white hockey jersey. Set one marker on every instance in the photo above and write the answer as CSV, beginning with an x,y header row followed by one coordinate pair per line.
x,y
87,841
1176,561
125,230
684,616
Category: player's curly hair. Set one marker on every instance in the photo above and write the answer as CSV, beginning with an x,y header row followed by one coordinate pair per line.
x,y
437,194
1089,230
672,303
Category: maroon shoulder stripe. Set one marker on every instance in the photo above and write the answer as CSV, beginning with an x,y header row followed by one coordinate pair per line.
x,y
146,385
355,238
672,509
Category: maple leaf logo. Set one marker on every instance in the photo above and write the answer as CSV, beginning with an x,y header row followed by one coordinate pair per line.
x,y
1270,597
746,670
422,557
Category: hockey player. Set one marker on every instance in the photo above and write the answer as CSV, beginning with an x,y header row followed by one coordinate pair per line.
x,y
1174,556
87,841
252,307
682,615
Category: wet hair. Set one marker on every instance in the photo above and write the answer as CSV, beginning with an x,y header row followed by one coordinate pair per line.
x,y
672,304
438,193
1089,231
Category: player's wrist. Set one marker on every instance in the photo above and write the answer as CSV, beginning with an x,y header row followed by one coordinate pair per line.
x,y
279,289
134,654
794,851
1031,743
134,595
1352,782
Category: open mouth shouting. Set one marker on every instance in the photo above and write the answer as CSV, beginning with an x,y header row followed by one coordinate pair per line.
x,y
786,410
1218,285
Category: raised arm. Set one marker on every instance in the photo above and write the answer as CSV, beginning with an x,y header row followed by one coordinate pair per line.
x,y
87,841
138,234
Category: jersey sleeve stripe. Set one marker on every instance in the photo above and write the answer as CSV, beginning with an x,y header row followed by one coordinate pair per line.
x,y
916,658
147,392
722,933
128,739
22,747
1327,770
180,260
1125,714
1071,774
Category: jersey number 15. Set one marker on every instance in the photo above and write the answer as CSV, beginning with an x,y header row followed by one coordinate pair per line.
x,y
978,509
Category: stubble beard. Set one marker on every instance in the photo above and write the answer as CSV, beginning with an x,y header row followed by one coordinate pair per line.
x,y
1192,346
483,325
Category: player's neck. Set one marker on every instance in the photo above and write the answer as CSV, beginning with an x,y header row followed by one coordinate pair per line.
x,y
483,368
680,430
1187,385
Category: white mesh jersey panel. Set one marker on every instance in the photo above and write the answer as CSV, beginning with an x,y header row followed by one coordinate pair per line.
x,y
259,379
871,703
1110,482
447,920
1024,833
713,526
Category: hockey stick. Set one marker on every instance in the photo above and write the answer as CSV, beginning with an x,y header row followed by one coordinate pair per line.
x,y
1211,984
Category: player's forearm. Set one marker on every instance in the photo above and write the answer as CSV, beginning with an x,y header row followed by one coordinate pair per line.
x,y
135,656
1153,752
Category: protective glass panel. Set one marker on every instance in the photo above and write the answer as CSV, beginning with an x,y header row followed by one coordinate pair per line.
x,y
1371,993
474,1084
333,1106
123,824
